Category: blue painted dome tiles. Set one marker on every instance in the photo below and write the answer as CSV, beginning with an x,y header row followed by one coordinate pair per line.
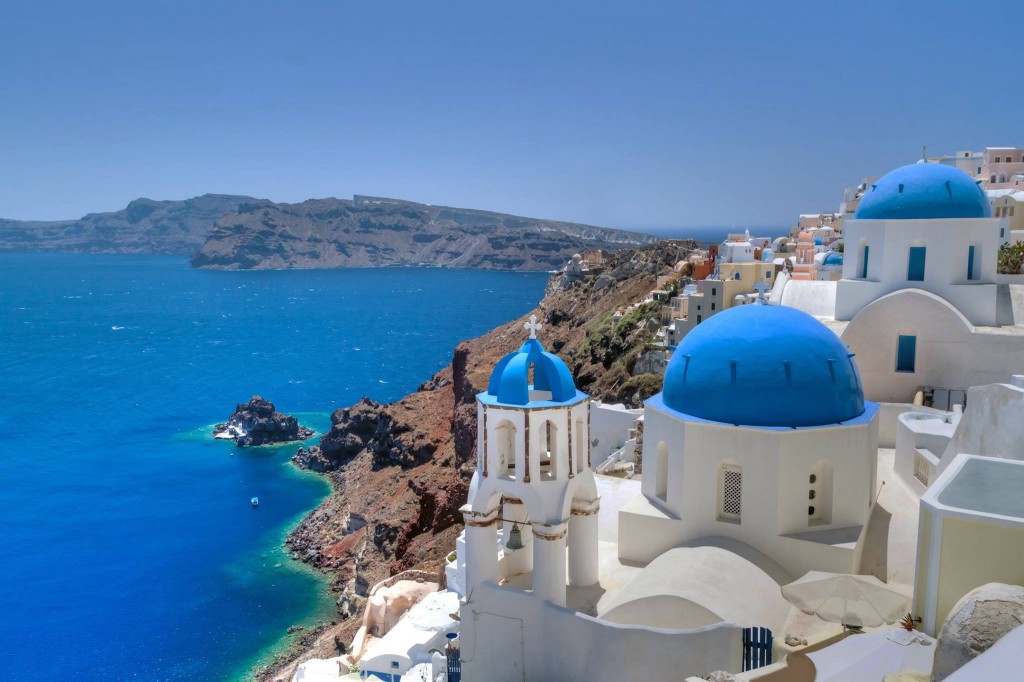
x,y
764,365
924,191
510,379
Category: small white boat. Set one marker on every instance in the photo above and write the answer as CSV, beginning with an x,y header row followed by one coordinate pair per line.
x,y
255,502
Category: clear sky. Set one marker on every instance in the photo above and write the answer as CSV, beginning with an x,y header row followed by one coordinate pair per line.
x,y
628,114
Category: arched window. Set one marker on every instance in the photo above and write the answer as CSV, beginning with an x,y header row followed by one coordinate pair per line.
x,y
505,444
819,494
661,474
549,463
730,492
992,179
1002,177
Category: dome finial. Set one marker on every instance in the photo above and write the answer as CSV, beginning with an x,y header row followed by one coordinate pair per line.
x,y
533,325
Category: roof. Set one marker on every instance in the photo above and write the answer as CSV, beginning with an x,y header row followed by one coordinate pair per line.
x,y
924,191
687,585
764,365
985,485
510,380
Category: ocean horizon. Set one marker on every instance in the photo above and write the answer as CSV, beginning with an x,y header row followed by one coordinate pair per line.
x,y
133,551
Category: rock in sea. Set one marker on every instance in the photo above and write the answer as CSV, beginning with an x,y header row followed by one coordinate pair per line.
x,y
258,423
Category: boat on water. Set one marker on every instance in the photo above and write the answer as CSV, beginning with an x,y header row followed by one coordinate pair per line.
x,y
255,502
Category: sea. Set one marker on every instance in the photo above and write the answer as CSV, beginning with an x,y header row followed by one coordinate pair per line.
x,y
129,549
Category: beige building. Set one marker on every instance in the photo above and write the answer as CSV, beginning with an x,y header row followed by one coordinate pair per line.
x,y
1003,168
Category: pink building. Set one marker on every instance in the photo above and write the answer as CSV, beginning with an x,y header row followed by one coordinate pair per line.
x,y
1003,168
803,267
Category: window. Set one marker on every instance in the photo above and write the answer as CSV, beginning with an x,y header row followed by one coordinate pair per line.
x,y
921,468
661,474
505,440
998,159
906,351
549,464
713,291
819,494
864,262
1002,177
1002,232
767,275
730,481
712,305
915,264
698,319
992,179
971,255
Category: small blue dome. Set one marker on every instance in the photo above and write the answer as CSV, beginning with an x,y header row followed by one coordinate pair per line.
x,y
924,190
510,380
764,365
833,258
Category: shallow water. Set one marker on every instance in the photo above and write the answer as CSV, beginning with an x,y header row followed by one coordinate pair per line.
x,y
130,546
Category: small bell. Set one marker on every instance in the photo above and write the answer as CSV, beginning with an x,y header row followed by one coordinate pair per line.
x,y
515,539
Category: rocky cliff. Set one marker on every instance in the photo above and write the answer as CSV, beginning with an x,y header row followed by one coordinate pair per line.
x,y
368,232
144,226
401,471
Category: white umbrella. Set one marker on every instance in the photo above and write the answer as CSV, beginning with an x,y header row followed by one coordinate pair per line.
x,y
852,600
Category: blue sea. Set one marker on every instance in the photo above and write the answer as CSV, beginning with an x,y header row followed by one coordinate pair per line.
x,y
130,550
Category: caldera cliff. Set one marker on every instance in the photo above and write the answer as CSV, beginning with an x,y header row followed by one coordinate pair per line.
x,y
401,471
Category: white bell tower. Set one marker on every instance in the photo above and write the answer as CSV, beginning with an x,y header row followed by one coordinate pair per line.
x,y
533,478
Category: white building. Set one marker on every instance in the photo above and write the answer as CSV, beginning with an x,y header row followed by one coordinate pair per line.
x,y
920,302
761,436
760,465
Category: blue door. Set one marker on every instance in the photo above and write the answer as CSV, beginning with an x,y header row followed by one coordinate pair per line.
x,y
864,263
757,648
970,262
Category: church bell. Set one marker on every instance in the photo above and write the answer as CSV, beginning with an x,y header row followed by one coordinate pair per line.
x,y
515,538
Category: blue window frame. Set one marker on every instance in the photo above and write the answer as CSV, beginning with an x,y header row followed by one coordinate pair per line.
x,y
864,263
970,262
906,353
915,264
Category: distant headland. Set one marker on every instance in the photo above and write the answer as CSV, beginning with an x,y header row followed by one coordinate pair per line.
x,y
230,232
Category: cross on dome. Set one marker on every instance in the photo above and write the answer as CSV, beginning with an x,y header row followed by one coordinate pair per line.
x,y
533,325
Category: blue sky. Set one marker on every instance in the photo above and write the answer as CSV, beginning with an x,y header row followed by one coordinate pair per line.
x,y
631,114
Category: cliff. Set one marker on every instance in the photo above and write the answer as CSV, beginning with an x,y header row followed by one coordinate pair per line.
x,y
144,226
368,232
401,471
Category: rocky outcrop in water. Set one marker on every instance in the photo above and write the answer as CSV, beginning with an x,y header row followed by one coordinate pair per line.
x,y
258,423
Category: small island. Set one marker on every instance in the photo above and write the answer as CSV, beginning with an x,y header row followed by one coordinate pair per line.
x,y
259,423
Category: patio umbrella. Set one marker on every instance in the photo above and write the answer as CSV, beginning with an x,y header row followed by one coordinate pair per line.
x,y
851,600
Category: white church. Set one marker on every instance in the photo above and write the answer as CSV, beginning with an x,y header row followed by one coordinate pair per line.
x,y
759,466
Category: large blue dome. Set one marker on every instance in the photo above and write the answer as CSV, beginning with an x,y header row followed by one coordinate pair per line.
x,y
924,190
510,379
764,365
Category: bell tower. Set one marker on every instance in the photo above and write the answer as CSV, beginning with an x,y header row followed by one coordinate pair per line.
x,y
533,503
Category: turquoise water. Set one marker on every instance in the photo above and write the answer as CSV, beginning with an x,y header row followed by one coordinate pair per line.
x,y
130,550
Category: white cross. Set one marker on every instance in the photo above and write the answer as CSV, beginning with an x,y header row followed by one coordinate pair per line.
x,y
761,286
533,326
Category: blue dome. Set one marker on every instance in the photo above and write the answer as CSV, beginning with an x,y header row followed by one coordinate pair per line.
x,y
510,380
833,258
924,190
764,365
